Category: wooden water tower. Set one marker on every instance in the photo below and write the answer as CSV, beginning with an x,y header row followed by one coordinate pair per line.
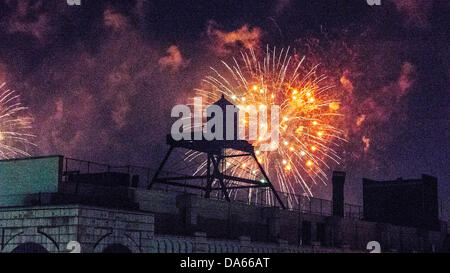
x,y
216,159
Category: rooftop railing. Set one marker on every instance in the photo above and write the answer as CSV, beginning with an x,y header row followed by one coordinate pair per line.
x,y
140,177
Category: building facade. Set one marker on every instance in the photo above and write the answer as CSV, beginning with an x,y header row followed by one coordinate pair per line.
x,y
411,202
102,213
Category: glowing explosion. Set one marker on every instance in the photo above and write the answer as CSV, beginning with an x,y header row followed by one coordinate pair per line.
x,y
14,125
308,110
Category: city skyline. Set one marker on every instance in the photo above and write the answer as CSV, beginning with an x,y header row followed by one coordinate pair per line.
x,y
93,98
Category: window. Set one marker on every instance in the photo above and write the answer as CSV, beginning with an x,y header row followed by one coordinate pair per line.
x,y
321,233
306,233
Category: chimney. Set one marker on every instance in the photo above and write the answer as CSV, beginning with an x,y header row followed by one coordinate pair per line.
x,y
338,193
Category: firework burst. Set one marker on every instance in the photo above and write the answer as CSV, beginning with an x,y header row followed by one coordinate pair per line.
x,y
308,111
14,125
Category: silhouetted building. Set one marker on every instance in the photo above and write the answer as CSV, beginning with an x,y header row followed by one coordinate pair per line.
x,y
411,202
47,204
338,181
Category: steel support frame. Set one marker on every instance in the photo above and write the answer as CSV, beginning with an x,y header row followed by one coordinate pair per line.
x,y
214,160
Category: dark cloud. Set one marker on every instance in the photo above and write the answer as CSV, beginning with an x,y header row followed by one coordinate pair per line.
x,y
173,60
115,20
416,12
26,17
223,42
83,98
101,79
281,6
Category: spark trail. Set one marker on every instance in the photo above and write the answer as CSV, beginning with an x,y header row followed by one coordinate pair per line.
x,y
309,107
15,125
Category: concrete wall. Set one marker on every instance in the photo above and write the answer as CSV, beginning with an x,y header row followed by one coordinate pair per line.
x,y
94,228
196,229
199,243
97,228
230,221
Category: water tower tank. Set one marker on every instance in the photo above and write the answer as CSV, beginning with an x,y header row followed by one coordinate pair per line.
x,y
223,103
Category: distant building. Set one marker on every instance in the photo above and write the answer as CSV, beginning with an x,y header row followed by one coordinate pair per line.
x,y
57,204
411,202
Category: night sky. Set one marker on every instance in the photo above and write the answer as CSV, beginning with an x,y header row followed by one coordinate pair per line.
x,y
100,79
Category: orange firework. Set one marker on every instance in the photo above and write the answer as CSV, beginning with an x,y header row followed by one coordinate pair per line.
x,y
308,109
